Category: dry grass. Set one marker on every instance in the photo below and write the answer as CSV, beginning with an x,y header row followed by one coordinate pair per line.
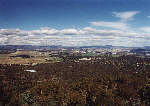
x,y
38,57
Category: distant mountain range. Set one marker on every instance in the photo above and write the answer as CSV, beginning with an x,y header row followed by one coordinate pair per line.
x,y
26,47
33,47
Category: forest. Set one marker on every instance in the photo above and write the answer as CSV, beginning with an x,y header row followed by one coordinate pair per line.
x,y
103,81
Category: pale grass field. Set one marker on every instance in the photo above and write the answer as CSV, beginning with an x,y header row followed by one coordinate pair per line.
x,y
38,57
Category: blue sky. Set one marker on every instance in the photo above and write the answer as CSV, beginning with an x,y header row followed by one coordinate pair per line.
x,y
75,22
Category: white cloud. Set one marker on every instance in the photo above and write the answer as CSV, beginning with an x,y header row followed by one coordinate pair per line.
x,y
89,30
125,16
69,32
116,25
73,37
148,16
9,32
145,29
121,24
45,30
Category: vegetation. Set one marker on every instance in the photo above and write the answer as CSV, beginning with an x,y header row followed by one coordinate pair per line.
x,y
103,81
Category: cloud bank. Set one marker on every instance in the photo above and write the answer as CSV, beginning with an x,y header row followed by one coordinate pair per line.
x,y
72,37
118,33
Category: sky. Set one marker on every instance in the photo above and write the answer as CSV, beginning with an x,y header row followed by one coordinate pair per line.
x,y
75,22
